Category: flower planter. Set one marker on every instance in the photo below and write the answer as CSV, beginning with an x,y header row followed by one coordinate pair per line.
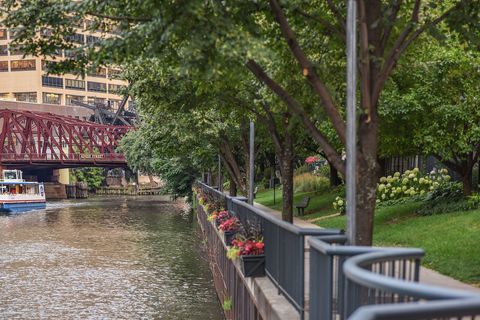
x,y
228,237
253,266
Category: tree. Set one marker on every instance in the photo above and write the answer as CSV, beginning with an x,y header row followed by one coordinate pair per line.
x,y
197,33
93,177
433,100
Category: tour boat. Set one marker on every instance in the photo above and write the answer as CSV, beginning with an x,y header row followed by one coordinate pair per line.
x,y
18,195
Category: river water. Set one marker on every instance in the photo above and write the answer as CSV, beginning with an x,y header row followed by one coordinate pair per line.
x,y
105,258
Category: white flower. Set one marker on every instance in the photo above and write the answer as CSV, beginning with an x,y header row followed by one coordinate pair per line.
x,y
411,175
405,181
340,202
396,174
416,170
383,179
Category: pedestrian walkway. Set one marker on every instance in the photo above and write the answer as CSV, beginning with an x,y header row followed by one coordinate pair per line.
x,y
427,276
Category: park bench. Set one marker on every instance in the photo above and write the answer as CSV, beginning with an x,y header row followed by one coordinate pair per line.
x,y
302,205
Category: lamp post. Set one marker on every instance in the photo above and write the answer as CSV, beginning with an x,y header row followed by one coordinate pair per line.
x,y
252,173
220,186
351,145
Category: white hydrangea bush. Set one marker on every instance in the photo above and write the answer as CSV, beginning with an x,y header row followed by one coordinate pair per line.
x,y
410,183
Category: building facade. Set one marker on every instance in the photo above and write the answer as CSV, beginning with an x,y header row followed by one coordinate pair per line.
x,y
25,78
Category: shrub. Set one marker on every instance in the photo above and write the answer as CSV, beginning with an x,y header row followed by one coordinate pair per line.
x,y
308,182
339,205
448,197
409,184
323,171
302,169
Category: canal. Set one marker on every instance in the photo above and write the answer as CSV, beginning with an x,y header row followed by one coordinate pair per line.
x,y
105,258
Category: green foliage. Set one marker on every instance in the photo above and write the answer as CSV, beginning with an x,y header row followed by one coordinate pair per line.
x,y
227,304
448,198
94,177
340,205
308,182
409,184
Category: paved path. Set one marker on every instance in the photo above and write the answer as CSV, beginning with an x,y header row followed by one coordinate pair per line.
x,y
427,276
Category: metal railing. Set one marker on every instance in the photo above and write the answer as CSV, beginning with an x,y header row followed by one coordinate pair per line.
x,y
380,278
284,246
331,294
465,309
228,281
348,282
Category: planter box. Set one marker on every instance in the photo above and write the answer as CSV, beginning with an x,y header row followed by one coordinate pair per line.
x,y
228,237
253,266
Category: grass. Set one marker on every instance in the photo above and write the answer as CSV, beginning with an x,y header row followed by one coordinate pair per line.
x,y
450,240
320,203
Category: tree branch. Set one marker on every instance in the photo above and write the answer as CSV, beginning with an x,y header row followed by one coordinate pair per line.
x,y
119,18
391,20
402,44
297,109
339,30
318,86
337,14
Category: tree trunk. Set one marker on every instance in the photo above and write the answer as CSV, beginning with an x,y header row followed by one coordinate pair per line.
x,y
467,182
287,187
334,177
233,188
367,176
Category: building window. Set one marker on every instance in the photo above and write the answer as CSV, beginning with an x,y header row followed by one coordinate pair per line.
x,y
75,84
4,50
114,104
52,82
99,72
76,37
114,88
48,65
96,86
95,101
113,73
93,40
3,34
26,96
52,98
3,66
22,65
70,98
70,53
14,33
16,51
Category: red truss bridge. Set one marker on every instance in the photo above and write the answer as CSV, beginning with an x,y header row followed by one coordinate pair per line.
x,y
32,139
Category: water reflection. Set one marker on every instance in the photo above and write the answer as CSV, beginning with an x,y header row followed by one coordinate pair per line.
x,y
107,258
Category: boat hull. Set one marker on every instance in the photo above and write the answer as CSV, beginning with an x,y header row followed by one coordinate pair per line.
x,y
14,207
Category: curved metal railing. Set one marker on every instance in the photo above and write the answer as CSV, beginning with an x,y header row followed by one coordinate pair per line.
x,y
376,278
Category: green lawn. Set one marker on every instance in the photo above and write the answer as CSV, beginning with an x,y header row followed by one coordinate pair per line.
x,y
320,203
451,241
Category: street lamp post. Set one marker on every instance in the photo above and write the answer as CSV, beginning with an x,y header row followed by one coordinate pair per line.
x,y
252,171
351,145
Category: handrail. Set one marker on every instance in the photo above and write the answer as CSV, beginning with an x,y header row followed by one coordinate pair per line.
x,y
286,225
416,311
354,269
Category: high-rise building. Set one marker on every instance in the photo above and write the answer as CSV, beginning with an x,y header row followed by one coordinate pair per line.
x,y
25,78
